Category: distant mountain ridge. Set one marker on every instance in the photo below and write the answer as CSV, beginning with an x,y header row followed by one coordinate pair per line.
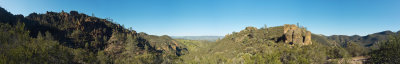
x,y
208,38
366,41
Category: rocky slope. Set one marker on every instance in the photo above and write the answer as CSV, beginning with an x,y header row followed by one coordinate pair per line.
x,y
273,45
290,34
98,36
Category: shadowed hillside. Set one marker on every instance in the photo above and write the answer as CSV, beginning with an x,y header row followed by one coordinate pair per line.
x,y
61,37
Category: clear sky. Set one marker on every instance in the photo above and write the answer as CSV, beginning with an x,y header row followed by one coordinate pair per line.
x,y
220,17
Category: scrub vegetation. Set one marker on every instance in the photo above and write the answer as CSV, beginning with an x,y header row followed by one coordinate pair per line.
x,y
77,38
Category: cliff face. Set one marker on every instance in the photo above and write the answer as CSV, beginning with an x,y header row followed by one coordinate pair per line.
x,y
296,35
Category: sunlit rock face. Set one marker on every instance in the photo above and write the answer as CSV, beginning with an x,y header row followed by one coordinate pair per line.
x,y
296,35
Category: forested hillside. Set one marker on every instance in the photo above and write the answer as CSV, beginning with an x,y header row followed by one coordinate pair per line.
x,y
61,37
366,41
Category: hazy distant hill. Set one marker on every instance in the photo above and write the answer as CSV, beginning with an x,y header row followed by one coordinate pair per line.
x,y
208,38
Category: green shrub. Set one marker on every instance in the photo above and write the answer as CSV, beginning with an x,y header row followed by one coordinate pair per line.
x,y
388,52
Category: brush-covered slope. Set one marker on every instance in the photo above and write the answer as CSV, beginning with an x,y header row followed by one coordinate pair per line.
x,y
61,37
273,45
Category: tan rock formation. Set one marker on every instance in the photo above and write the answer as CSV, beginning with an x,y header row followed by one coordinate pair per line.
x,y
296,35
288,36
250,29
307,40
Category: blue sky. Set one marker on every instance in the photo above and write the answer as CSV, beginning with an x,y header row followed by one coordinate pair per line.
x,y
221,17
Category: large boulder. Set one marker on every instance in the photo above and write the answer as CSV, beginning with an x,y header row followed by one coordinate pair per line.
x,y
307,39
289,36
296,35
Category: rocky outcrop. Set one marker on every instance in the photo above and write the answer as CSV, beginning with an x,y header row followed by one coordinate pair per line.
x,y
250,29
295,35
79,30
290,34
307,40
